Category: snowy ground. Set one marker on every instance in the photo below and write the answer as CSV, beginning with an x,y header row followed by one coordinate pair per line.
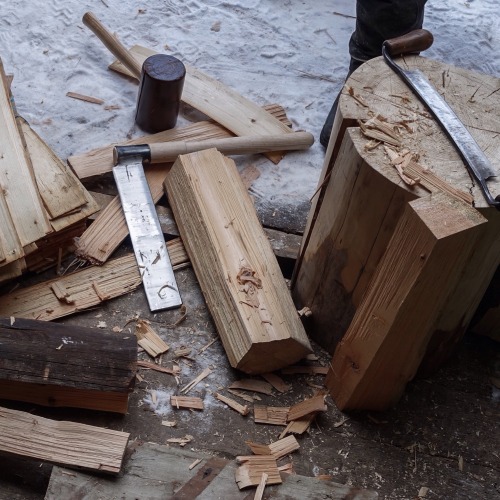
x,y
291,52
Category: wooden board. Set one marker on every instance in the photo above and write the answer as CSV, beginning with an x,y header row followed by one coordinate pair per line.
x,y
234,263
159,472
43,363
67,443
388,337
225,106
16,175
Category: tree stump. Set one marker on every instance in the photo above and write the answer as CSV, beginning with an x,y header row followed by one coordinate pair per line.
x,y
361,196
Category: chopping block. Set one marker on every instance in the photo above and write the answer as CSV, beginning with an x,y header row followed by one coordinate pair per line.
x,y
361,199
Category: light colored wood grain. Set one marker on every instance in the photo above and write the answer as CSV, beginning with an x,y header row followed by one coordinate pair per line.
x,y
390,331
149,340
234,263
307,406
272,415
187,402
251,468
67,443
16,176
86,98
249,384
238,114
241,409
60,189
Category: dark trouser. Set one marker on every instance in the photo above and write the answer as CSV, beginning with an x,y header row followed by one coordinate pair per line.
x,y
376,21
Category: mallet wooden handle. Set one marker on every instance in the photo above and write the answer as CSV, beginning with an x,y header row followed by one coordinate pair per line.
x,y
112,44
414,41
165,152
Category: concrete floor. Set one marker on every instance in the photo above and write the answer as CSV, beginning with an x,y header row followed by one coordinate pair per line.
x,y
442,435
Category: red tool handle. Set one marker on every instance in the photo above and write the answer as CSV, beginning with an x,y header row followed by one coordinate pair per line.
x,y
414,41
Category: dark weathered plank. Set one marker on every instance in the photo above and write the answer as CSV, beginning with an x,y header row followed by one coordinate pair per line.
x,y
58,365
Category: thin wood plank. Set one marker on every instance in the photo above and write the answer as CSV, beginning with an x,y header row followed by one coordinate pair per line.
x,y
241,409
238,114
86,98
250,384
205,373
158,368
277,382
252,467
298,426
30,436
259,492
16,175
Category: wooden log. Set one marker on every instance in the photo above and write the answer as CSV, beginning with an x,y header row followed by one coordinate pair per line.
x,y
43,363
234,263
389,334
65,443
361,196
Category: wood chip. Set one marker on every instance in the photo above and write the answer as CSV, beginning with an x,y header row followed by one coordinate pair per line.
x,y
251,469
260,489
86,98
204,348
277,382
183,352
205,373
287,468
298,426
186,402
149,340
169,423
245,397
249,384
272,415
278,449
152,366
195,463
311,405
241,409
183,441
305,369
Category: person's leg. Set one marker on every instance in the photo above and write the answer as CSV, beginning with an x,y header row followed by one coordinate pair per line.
x,y
376,21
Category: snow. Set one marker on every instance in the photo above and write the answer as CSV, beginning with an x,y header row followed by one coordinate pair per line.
x,y
290,52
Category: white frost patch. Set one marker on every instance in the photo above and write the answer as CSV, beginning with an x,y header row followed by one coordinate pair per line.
x,y
161,406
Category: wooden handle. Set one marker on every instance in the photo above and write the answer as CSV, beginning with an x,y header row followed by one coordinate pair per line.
x,y
112,44
168,151
414,41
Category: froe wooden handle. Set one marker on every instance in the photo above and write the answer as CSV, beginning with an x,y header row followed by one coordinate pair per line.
x,y
166,152
112,44
414,41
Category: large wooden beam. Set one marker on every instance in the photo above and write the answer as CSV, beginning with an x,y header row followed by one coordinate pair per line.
x,y
388,336
59,442
234,263
44,363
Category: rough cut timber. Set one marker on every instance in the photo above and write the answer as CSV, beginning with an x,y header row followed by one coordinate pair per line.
x,y
344,241
388,336
17,177
44,363
65,443
89,287
225,106
234,263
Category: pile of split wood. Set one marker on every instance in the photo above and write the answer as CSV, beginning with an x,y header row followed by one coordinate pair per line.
x,y
43,205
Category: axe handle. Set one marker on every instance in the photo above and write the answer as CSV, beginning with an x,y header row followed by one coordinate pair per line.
x,y
169,151
112,44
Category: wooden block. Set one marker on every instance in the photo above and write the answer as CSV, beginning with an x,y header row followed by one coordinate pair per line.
x,y
390,331
42,363
65,443
311,405
234,263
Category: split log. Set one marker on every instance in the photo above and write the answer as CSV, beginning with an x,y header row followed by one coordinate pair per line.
x,y
234,263
65,443
361,197
418,273
58,365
